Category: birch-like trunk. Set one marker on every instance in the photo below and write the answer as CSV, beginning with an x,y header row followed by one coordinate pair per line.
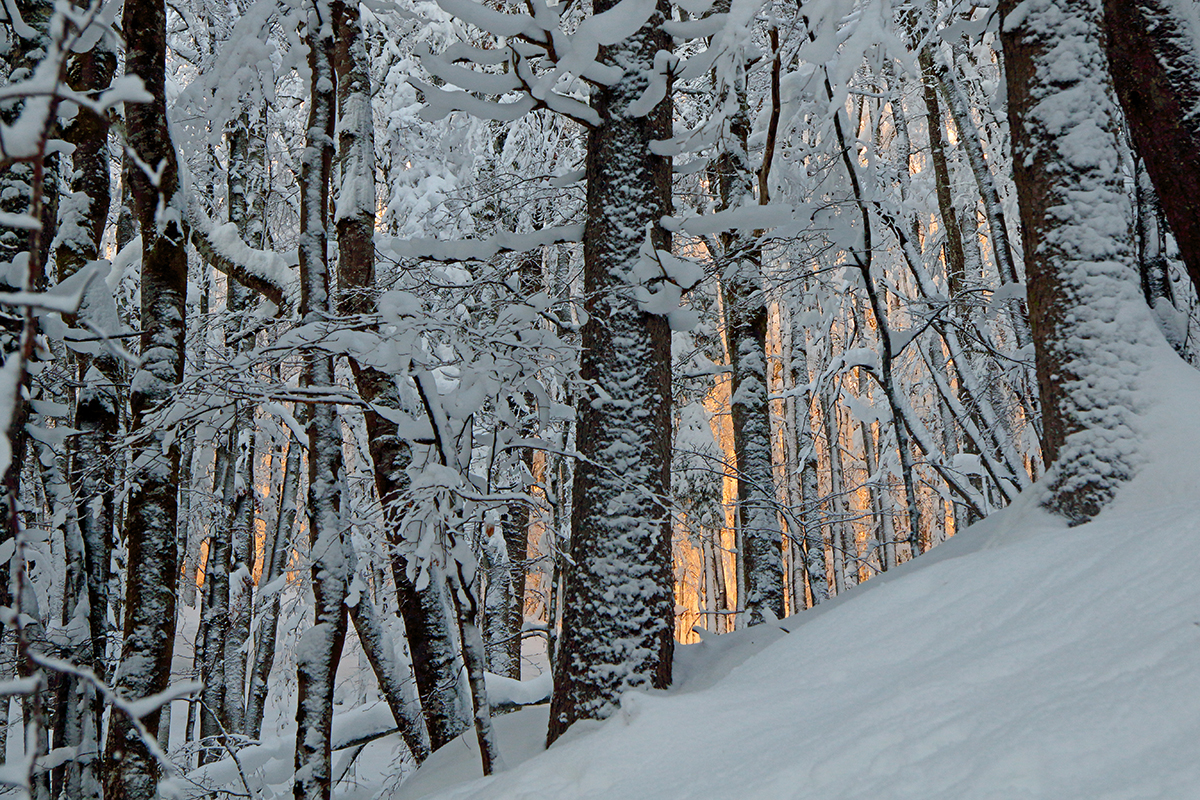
x,y
320,647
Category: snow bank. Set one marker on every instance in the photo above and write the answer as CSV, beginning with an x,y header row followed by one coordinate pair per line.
x,y
1022,659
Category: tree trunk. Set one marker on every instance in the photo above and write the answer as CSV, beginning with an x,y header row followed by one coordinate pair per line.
x,y
431,643
618,611
246,209
1156,71
275,560
215,613
131,770
745,305
497,604
843,553
1084,294
320,648
814,540
89,466
381,654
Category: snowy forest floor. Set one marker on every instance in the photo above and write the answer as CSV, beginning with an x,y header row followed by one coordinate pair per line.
x,y
1022,659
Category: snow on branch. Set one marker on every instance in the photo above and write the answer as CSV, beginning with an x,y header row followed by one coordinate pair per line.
x,y
264,271
28,137
750,217
543,64
483,249
497,23
62,298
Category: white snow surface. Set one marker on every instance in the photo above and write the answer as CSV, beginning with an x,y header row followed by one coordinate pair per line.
x,y
1021,659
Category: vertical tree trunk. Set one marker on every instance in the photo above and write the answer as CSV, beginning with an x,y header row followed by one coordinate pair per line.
x,y
955,255
844,553
246,210
1084,296
215,612
880,513
497,603
320,647
746,327
96,418
618,611
90,470
26,186
131,770
516,517
814,540
516,542
275,560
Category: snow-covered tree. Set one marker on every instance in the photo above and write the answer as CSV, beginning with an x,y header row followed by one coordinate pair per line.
x,y
1091,330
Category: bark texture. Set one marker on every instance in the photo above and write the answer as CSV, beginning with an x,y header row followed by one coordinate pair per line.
x,y
131,769
1087,315
618,608
431,643
745,305
320,647
1156,71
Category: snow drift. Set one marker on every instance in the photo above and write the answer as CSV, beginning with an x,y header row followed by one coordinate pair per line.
x,y
1022,659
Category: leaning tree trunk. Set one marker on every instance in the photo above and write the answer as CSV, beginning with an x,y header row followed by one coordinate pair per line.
x,y
1156,71
618,612
1090,330
434,654
381,654
132,771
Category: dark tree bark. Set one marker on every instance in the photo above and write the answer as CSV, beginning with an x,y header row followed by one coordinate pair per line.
x,y
1084,293
89,460
320,647
23,190
618,611
1156,71
431,643
215,612
131,770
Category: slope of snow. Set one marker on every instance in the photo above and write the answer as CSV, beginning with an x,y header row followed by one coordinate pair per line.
x,y
1022,659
